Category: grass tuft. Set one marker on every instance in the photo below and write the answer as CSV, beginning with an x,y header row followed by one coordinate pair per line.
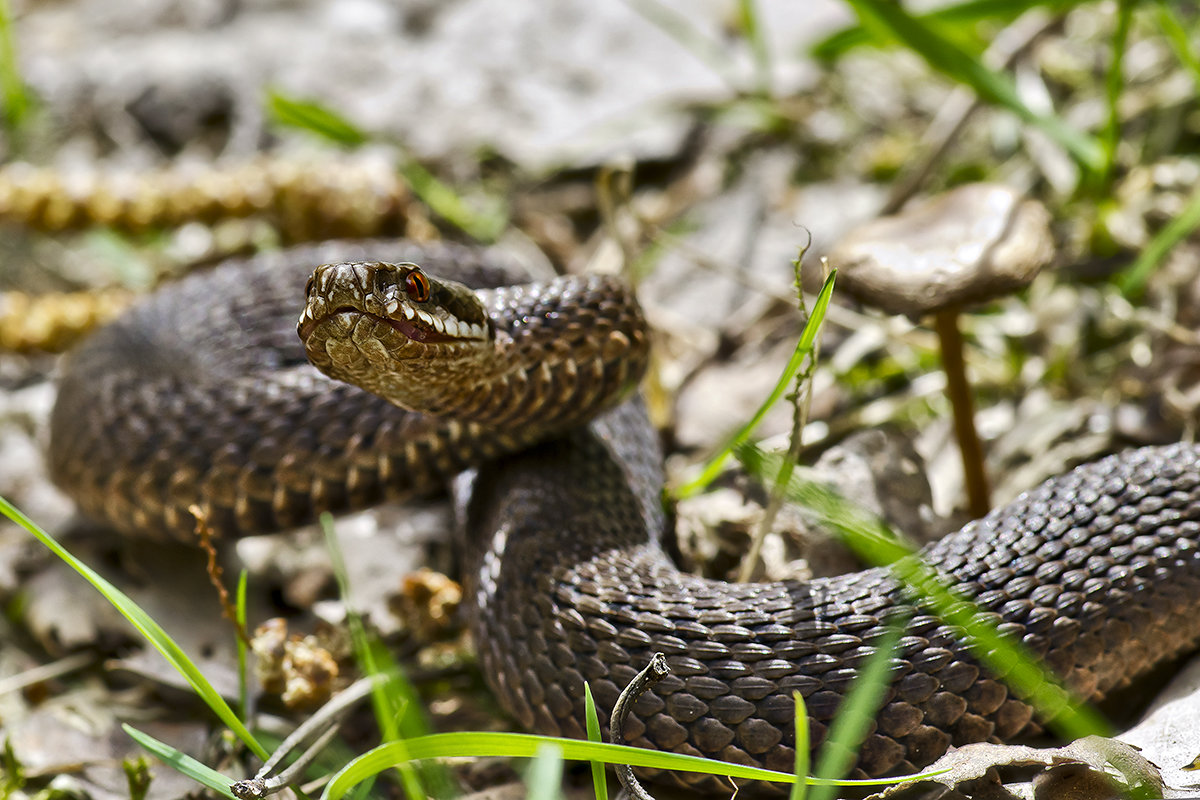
x,y
887,19
397,706
483,223
146,626
137,776
182,763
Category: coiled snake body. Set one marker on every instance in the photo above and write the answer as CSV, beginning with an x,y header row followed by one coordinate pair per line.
x,y
203,398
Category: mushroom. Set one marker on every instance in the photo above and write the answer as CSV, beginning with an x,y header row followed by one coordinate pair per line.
x,y
970,245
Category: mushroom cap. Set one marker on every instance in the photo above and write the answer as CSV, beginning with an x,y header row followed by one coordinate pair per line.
x,y
971,244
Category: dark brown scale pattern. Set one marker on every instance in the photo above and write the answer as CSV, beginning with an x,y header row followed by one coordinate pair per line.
x,y
202,396
561,370
560,350
189,400
1096,570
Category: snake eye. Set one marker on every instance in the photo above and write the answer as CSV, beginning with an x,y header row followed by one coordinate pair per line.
x,y
417,286
308,287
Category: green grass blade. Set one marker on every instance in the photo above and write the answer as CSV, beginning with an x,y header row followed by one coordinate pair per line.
x,y
12,772
1179,38
853,720
599,779
483,225
875,543
800,720
524,745
182,762
1133,281
1114,83
947,17
1005,657
803,349
397,707
146,626
750,23
137,777
544,777
243,685
17,102
944,56
315,118
842,41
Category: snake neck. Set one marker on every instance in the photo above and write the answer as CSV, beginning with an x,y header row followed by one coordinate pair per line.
x,y
563,351
532,359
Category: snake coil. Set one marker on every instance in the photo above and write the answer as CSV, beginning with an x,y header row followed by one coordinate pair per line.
x,y
203,395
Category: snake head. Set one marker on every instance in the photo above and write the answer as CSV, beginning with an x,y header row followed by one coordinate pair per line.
x,y
368,322
421,308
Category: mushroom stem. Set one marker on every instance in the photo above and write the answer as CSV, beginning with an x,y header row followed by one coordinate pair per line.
x,y
959,393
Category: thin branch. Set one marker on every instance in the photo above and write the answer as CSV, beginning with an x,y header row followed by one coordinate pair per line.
x,y
654,672
323,725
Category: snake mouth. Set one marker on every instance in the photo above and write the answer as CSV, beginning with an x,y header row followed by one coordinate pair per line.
x,y
418,333
423,328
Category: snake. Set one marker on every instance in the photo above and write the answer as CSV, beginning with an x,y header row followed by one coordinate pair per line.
x,y
520,396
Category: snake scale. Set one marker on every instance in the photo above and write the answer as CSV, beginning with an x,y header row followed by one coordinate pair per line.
x,y
203,396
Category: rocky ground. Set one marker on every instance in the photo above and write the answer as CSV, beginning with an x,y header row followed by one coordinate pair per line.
x,y
655,139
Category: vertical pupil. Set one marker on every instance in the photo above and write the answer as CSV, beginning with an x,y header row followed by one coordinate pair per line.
x,y
418,287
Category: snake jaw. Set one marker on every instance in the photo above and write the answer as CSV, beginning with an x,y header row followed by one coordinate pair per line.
x,y
427,329
440,326
416,326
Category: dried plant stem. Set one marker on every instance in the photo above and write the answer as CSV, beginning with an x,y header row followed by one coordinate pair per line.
x,y
204,537
654,672
323,725
801,400
47,672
